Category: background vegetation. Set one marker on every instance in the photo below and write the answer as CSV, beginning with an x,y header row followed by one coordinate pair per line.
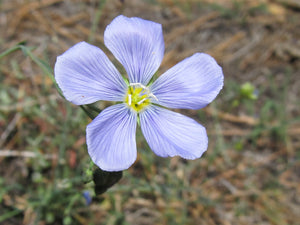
x,y
250,173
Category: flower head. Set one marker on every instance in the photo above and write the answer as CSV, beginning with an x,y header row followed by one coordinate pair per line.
x,y
85,75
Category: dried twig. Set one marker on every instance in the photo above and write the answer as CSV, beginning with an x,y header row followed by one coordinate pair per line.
x,y
24,154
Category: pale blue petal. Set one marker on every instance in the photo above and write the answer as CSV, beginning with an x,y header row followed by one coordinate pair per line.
x,y
85,75
169,133
190,84
111,138
138,44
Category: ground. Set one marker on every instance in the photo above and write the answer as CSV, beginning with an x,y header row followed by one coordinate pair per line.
x,y
250,172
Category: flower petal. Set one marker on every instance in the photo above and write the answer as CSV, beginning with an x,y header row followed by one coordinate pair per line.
x,y
85,75
169,133
190,84
111,138
138,44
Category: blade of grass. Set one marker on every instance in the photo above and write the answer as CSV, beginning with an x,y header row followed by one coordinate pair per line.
x,y
96,21
12,49
43,65
9,215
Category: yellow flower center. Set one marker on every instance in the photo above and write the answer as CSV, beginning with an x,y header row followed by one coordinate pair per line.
x,y
138,96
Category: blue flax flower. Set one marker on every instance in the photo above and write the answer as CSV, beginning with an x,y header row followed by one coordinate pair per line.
x,y
86,75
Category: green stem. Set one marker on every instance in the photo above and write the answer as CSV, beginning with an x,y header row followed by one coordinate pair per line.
x,y
91,115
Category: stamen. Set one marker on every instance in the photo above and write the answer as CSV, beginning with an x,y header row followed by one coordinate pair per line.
x,y
129,99
153,96
139,84
140,102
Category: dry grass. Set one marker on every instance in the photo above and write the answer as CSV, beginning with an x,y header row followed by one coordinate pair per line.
x,y
250,173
